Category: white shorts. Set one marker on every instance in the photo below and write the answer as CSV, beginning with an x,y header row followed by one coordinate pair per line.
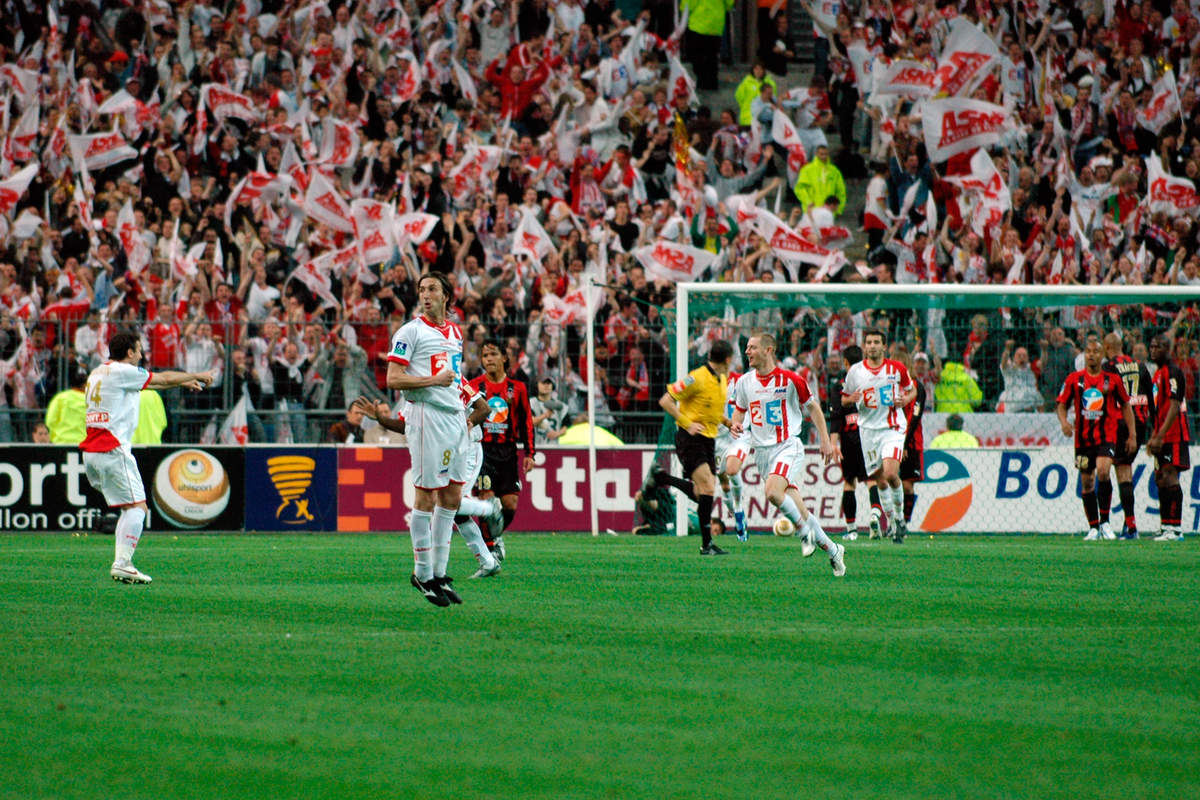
x,y
437,443
727,446
115,475
785,459
878,444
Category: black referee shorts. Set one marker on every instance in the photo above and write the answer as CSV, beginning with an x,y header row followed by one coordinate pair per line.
x,y
695,451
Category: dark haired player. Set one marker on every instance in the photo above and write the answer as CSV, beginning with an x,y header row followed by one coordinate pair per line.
x,y
843,430
509,421
697,403
1137,382
1095,395
112,400
1169,441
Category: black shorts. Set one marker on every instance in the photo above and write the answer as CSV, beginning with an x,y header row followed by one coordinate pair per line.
x,y
1174,454
912,466
853,466
1086,457
1120,457
694,451
501,474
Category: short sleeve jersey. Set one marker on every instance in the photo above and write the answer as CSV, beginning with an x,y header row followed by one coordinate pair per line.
x,y
881,389
426,349
1169,385
112,405
701,398
773,405
1137,382
1097,400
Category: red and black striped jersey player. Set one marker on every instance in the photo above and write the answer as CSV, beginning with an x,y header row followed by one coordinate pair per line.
x,y
1169,440
1096,395
1136,378
509,421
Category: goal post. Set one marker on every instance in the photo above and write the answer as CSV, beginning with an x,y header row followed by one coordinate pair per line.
x,y
984,347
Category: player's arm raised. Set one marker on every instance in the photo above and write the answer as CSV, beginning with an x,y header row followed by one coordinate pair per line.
x,y
170,379
398,378
380,413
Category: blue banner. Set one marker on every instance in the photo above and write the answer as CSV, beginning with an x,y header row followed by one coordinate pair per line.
x,y
291,489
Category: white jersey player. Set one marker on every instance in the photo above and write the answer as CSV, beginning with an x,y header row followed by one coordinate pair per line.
x,y
773,401
425,362
880,389
113,401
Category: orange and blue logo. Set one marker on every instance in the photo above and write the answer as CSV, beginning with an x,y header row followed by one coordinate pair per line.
x,y
948,510
1093,399
498,408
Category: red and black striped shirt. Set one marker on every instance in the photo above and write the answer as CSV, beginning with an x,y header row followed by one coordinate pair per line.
x,y
914,439
1137,382
1168,386
510,419
1097,400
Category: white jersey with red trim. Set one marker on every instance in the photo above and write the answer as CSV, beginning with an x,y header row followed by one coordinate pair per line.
x,y
881,388
426,349
773,405
112,405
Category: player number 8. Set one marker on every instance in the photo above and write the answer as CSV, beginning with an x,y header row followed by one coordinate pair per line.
x,y
446,458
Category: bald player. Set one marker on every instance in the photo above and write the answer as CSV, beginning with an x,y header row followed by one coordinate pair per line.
x,y
1137,382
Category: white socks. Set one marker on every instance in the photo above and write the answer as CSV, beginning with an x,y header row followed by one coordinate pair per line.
x,y
129,530
443,529
474,507
735,492
791,510
474,538
817,534
897,498
422,544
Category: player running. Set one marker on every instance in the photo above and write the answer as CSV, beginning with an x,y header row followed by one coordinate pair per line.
x,y
112,400
425,362
881,390
775,400
1169,441
1096,395
1137,382
697,403
510,421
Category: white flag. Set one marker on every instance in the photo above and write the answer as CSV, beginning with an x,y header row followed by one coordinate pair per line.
x,y
531,239
339,144
667,261
910,78
224,102
1163,107
955,125
680,83
789,245
783,133
100,150
12,188
236,428
1169,194
137,252
414,227
373,225
324,203
966,58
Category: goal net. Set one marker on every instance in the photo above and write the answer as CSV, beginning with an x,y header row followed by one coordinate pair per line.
x,y
993,357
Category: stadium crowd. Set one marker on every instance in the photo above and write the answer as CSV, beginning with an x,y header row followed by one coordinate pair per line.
x,y
255,188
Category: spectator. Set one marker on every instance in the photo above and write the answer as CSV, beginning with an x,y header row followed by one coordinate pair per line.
x,y
349,430
1020,382
750,89
41,434
818,180
954,437
549,413
706,25
1056,362
956,390
67,410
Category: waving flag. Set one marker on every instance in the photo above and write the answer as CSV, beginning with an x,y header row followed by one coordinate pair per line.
x,y
789,245
530,239
100,150
236,428
955,125
1174,196
1164,105
12,188
680,83
910,78
324,203
967,56
783,133
137,252
315,275
668,261
224,103
413,227
339,144
23,133
373,226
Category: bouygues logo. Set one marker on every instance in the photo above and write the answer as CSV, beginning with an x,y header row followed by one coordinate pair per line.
x,y
292,476
951,476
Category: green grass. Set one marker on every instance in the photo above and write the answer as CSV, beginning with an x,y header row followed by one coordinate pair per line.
x,y
306,667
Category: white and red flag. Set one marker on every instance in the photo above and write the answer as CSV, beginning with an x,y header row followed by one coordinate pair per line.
x,y
967,56
668,261
223,102
910,78
315,275
137,252
789,245
373,227
413,227
12,188
100,150
1164,105
530,239
1174,196
956,125
679,82
324,203
236,428
784,134
339,144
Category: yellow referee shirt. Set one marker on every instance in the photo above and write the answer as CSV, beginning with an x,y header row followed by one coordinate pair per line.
x,y
701,398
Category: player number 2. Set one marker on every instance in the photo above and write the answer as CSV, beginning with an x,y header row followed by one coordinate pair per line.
x,y
445,458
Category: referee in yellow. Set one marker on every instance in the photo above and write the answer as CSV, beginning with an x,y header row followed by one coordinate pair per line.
x,y
697,402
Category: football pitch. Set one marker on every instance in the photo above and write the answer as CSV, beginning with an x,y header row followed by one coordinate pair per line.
x,y
306,667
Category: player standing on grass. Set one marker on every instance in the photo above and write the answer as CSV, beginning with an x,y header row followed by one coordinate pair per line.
x,y
1169,441
1096,395
847,448
730,454
1137,382
112,400
775,400
881,390
912,466
509,421
697,403
425,362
